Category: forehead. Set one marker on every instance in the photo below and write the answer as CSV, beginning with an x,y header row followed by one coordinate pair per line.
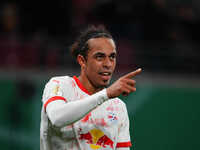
x,y
104,45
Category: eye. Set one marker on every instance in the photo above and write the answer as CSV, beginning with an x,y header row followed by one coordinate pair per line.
x,y
113,56
100,57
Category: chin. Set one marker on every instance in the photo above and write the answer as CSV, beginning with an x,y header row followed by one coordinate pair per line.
x,y
105,83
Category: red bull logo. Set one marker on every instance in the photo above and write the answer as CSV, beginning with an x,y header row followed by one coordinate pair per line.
x,y
97,139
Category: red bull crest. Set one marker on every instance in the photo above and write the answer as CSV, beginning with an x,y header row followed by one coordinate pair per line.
x,y
97,139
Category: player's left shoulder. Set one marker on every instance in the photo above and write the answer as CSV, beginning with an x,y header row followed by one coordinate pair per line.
x,y
119,102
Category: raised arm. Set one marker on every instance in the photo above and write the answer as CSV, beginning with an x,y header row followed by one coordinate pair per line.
x,y
61,113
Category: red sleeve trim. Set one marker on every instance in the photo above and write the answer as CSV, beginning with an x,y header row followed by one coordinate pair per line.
x,y
124,144
53,99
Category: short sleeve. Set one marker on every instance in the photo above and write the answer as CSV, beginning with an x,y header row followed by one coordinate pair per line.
x,y
54,90
124,134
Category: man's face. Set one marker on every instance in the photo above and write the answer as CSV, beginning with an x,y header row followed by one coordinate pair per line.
x,y
101,61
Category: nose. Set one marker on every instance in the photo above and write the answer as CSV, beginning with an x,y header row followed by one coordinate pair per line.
x,y
107,63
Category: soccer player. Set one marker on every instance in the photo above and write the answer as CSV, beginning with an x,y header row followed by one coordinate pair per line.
x,y
83,113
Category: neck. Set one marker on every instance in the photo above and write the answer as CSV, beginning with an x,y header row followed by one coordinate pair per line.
x,y
88,85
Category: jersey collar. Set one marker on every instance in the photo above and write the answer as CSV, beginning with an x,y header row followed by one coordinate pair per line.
x,y
80,85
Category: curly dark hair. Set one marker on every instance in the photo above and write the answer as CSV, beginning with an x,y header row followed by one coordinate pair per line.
x,y
80,46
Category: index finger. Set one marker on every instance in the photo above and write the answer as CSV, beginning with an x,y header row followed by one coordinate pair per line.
x,y
132,74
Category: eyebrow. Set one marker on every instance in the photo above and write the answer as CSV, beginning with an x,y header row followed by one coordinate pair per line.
x,y
100,53
114,53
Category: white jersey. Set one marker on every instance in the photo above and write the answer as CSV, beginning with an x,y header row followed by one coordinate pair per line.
x,y
104,128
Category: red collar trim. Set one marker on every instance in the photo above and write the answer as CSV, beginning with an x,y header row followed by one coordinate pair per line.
x,y
80,85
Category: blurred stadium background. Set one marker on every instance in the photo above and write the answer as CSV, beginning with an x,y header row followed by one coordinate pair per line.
x,y
161,36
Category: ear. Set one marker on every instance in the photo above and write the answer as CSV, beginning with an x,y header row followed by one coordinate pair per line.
x,y
81,60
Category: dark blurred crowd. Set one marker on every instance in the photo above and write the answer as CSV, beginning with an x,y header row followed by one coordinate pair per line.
x,y
158,35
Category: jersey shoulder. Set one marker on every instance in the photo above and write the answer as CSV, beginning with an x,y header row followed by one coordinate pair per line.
x,y
119,101
58,86
61,79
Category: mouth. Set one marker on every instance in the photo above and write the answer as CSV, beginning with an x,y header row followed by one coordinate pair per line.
x,y
105,76
105,73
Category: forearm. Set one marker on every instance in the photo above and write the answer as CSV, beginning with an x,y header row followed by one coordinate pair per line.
x,y
61,113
